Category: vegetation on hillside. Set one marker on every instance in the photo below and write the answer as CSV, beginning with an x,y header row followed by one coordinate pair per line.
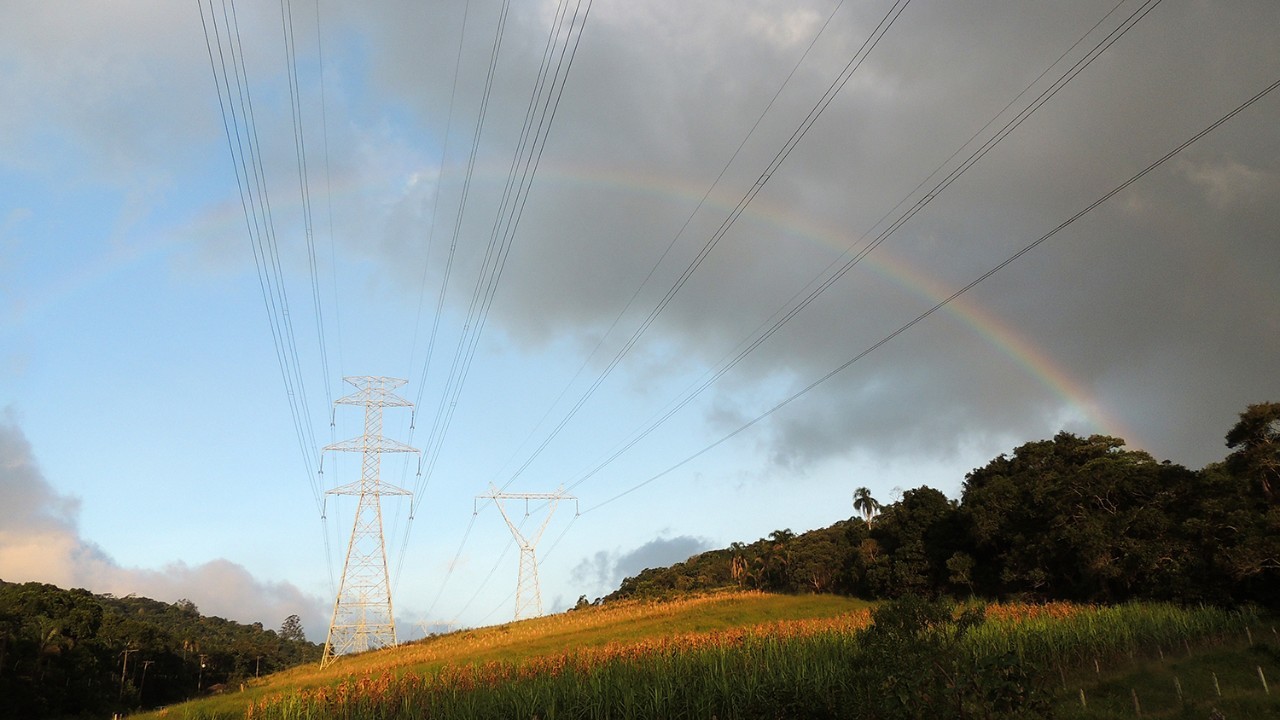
x,y
908,658
70,653
1072,518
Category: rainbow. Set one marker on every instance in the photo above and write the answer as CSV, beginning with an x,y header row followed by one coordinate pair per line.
x,y
1075,396
1035,362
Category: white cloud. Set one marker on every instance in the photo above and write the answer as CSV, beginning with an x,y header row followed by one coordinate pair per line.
x,y
40,541
1229,183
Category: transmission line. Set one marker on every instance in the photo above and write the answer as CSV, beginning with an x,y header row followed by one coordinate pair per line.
x,y
652,270
894,11
855,62
304,183
540,113
918,318
785,314
235,104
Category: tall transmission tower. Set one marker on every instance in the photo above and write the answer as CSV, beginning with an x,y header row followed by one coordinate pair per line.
x,y
362,614
528,592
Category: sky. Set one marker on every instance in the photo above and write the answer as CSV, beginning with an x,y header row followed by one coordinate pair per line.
x,y
700,169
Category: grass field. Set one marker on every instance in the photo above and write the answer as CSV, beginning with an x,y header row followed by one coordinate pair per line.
x,y
618,624
753,655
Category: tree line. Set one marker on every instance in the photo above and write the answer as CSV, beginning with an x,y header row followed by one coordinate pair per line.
x,y
1071,518
71,653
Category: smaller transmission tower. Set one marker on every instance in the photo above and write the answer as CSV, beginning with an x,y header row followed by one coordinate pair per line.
x,y
362,614
528,592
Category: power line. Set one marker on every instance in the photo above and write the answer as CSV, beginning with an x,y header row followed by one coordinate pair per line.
x,y
333,262
855,62
481,114
785,314
540,113
304,182
435,198
240,129
652,270
918,318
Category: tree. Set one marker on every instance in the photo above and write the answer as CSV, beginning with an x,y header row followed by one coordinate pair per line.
x,y
865,504
1256,442
1079,519
292,629
960,564
917,535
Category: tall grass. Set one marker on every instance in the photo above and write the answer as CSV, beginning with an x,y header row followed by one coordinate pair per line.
x,y
807,668
1075,635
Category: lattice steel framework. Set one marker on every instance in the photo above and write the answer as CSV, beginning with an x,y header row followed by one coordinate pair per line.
x,y
362,612
528,592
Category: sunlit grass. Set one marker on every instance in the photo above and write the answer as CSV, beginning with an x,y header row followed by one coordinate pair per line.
x,y
734,655
594,627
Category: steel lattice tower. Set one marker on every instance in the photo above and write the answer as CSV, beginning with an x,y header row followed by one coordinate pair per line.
x,y
528,592
362,614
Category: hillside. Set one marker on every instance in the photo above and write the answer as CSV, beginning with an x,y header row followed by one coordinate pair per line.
x,y
618,624
1083,519
70,653
756,655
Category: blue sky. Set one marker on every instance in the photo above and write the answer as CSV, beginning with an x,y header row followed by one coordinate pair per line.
x,y
146,435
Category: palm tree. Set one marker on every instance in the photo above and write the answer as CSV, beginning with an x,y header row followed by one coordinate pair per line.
x,y
865,504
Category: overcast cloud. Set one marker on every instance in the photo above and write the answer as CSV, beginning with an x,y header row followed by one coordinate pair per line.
x,y
1155,305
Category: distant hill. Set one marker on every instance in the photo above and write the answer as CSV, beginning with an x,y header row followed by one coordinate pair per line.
x,y
63,652
1081,519
818,561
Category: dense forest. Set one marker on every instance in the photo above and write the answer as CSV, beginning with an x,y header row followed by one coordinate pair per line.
x,y
70,653
1072,518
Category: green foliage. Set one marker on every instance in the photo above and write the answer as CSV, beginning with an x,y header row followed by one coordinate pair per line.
x,y
291,630
918,663
1213,682
1076,518
63,652
1256,442
1071,518
816,561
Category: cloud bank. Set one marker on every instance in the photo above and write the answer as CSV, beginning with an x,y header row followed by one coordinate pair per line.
x,y
40,542
1148,318
602,572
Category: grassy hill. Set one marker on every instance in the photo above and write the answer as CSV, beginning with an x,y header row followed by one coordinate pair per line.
x,y
760,655
630,623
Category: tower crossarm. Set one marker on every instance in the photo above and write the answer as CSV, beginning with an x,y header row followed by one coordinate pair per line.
x,y
376,444
374,391
528,593
360,487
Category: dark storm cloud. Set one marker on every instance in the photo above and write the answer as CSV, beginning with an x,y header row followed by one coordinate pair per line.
x,y
1151,307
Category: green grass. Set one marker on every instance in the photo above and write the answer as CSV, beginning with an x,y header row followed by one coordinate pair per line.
x,y
595,627
690,658
1238,693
